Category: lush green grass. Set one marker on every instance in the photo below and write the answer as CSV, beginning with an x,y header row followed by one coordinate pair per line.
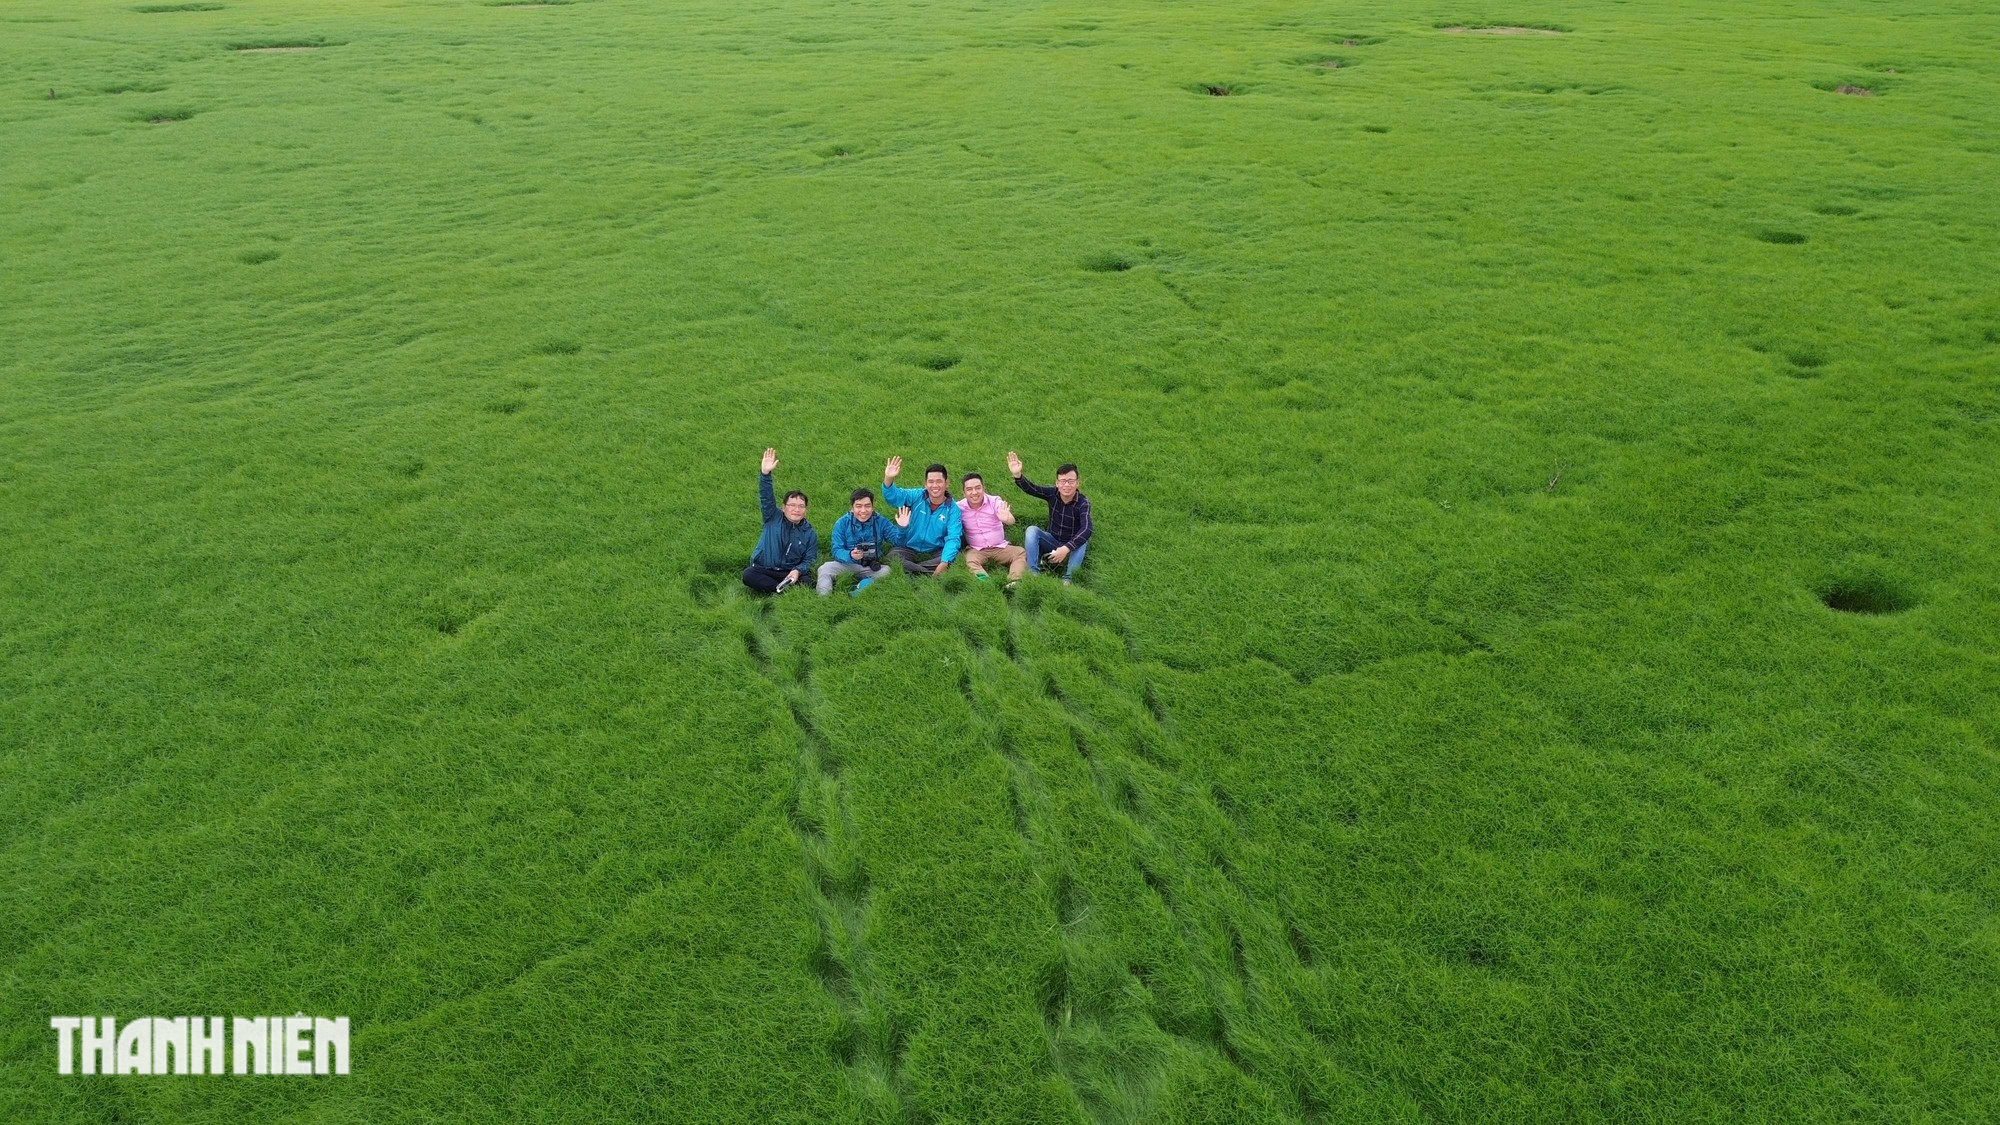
x,y
1537,660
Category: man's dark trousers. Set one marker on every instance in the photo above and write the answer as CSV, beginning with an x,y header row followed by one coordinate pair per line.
x,y
913,563
765,579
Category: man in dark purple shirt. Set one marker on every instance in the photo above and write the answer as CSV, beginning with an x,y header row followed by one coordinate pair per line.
x,y
1068,533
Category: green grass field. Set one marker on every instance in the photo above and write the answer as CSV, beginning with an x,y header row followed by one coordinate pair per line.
x,y
1538,659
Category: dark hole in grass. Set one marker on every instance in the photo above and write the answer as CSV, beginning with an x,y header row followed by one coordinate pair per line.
x,y
1837,209
256,257
1853,91
1781,237
449,625
1867,596
1374,128
506,406
1108,263
1502,29
1479,955
558,347
407,467
167,116
155,9
1217,91
938,362
132,88
1807,361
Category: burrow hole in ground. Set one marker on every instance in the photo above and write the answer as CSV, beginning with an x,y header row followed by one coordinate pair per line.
x,y
1868,597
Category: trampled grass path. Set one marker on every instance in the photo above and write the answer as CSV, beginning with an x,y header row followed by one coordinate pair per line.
x,y
1104,1033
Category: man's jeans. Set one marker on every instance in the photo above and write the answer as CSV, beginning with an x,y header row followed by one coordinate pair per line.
x,y
1040,542
830,572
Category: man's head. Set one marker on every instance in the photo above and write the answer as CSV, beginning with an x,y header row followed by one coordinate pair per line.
x,y
863,504
1066,481
974,487
937,482
795,505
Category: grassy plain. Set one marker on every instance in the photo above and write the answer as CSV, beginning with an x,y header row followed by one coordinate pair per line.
x,y
1538,660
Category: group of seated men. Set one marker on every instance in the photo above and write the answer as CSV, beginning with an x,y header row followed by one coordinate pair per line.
x,y
925,536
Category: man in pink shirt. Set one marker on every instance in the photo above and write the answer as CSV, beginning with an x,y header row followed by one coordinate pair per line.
x,y
986,518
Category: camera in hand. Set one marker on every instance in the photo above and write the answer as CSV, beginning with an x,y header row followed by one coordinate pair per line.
x,y
871,553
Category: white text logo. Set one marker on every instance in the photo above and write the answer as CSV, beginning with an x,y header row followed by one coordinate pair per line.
x,y
299,1044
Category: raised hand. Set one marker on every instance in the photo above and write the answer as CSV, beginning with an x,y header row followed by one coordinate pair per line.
x,y
1014,462
903,516
894,466
770,461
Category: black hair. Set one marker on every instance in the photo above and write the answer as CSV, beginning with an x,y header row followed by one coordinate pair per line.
x,y
971,477
861,494
934,467
797,493
1066,467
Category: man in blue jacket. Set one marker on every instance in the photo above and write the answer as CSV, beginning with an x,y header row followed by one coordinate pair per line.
x,y
935,532
788,545
861,543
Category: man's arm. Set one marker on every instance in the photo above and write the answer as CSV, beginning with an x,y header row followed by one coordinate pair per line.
x,y
812,548
954,534
893,496
766,499
843,539
1082,535
1035,490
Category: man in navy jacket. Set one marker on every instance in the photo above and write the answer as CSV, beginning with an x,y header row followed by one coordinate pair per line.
x,y
1068,534
788,544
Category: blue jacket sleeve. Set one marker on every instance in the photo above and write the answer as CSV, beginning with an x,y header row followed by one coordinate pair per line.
x,y
954,533
843,539
895,496
767,499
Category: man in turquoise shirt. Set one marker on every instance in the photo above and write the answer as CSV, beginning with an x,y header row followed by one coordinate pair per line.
x,y
932,539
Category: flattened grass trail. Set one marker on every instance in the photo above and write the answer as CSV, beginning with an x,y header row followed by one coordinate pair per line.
x,y
1537,662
